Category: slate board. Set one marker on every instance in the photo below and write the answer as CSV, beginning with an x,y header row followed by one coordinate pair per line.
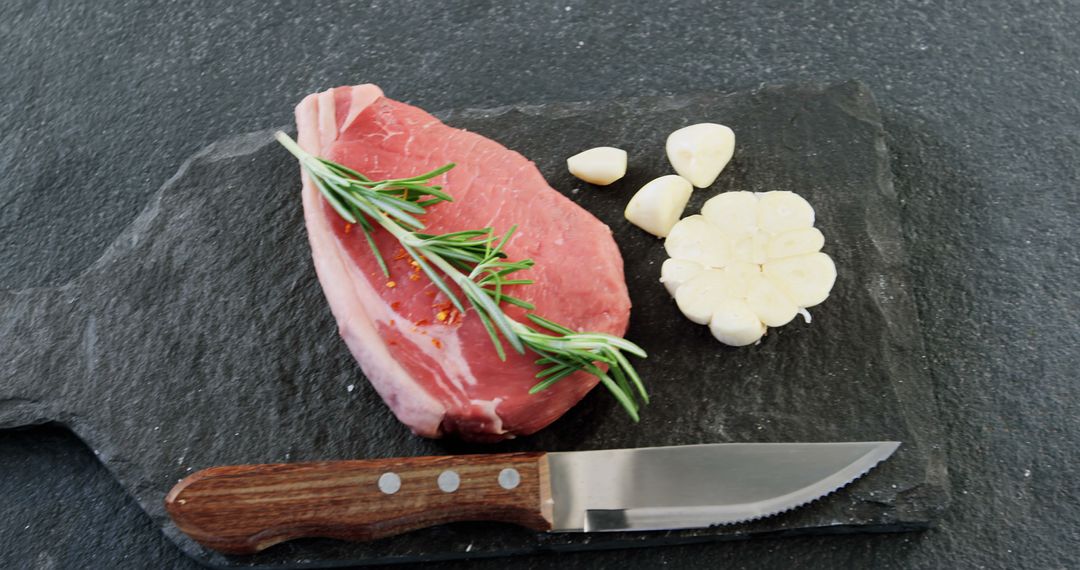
x,y
201,336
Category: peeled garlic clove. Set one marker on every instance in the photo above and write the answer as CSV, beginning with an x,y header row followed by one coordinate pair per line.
x,y
732,212
807,279
699,152
601,165
657,206
795,242
675,272
695,239
770,303
735,324
782,211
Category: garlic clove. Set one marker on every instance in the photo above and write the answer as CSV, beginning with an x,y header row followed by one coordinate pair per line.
x,y
732,212
807,279
656,207
742,248
698,297
795,242
770,303
675,272
695,239
783,211
601,165
749,248
735,324
740,275
699,152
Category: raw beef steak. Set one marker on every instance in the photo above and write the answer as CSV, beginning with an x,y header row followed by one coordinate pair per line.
x,y
436,369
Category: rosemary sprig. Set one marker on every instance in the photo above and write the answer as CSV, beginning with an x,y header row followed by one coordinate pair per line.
x,y
473,261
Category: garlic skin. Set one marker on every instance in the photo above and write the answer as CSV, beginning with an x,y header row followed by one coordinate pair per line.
x,y
656,207
749,261
700,152
600,166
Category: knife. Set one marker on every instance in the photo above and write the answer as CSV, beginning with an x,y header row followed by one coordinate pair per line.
x,y
247,508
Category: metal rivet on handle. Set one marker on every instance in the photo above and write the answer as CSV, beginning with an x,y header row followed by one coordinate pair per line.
x,y
449,481
389,483
509,478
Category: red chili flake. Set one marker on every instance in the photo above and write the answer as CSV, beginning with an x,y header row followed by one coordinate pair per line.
x,y
395,306
436,342
400,254
414,277
454,317
348,228
422,323
446,313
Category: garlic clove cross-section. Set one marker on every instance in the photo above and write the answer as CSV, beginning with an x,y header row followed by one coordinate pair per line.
x,y
675,272
735,324
808,279
784,211
733,212
697,297
794,242
695,239
771,304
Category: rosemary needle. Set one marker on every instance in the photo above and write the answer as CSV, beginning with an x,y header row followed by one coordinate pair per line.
x,y
474,262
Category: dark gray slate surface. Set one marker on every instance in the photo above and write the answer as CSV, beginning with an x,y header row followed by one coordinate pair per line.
x,y
979,101
201,337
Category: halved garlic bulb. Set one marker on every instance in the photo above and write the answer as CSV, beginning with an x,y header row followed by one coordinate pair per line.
x,y
749,261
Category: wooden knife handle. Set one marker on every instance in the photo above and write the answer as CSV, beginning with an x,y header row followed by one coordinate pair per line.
x,y
246,508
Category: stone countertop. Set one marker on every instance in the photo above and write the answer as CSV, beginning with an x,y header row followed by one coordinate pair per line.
x,y
115,95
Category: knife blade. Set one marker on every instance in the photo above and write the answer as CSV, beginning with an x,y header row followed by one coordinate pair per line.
x,y
662,488
247,508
